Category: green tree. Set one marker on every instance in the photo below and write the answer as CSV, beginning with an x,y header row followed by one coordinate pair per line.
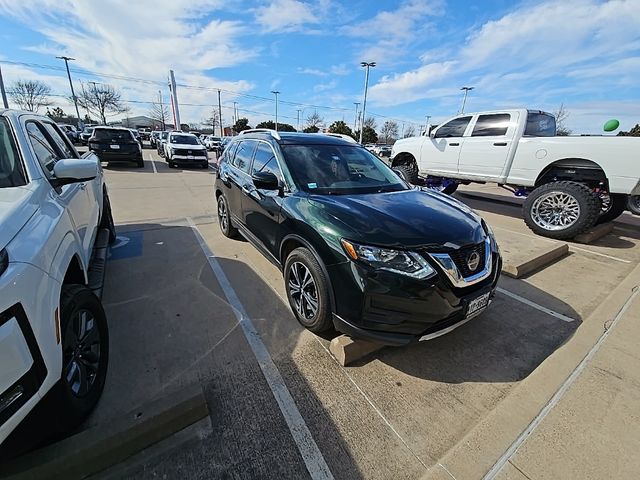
x,y
311,129
282,127
634,132
56,114
369,135
340,127
241,125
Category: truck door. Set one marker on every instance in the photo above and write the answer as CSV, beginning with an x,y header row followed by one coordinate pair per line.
x,y
488,147
440,153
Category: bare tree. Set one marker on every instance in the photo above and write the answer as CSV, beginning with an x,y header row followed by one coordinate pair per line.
x,y
159,112
561,116
30,94
410,131
101,100
315,120
371,123
212,121
389,131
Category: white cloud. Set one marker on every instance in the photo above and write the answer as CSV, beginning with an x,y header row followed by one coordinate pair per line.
x,y
339,70
285,16
321,87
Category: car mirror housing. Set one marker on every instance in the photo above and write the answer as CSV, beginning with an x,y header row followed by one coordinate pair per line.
x,y
265,180
74,170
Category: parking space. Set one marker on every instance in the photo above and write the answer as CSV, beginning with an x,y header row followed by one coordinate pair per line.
x,y
176,295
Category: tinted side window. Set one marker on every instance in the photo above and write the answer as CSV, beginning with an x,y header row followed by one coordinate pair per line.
x,y
491,125
242,159
60,141
540,125
45,152
265,160
229,152
454,128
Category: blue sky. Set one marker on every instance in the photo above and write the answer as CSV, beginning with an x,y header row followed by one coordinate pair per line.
x,y
585,54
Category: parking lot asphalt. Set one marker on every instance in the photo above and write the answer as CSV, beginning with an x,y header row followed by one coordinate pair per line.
x,y
186,304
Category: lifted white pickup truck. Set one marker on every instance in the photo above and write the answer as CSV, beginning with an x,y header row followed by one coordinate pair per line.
x,y
571,183
53,330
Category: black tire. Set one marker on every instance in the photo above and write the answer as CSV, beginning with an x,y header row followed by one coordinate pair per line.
x,y
320,320
633,204
106,221
75,399
205,165
409,173
224,218
588,209
613,208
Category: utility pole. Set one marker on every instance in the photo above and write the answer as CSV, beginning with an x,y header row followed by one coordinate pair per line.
x,y
464,100
174,101
235,112
220,115
73,94
299,111
276,93
366,65
355,119
161,110
4,94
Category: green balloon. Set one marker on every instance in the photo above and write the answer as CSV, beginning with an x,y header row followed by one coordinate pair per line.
x,y
611,125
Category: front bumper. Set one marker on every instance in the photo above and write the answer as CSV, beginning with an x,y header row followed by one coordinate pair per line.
x,y
189,159
397,310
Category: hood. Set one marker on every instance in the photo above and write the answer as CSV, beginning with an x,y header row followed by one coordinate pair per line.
x,y
17,206
406,219
187,146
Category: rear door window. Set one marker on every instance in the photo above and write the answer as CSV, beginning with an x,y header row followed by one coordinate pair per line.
x,y
454,128
495,125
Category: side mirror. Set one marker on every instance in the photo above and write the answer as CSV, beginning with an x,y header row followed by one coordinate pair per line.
x,y
265,180
73,170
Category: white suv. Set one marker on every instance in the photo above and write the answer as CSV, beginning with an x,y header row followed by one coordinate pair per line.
x,y
53,330
185,149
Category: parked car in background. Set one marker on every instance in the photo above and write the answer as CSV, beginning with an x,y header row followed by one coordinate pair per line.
x,y
185,149
144,133
213,143
153,138
71,132
86,133
137,136
116,144
162,138
54,337
384,151
570,182
360,249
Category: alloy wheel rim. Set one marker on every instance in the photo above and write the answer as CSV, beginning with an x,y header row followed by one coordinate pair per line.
x,y
303,290
222,214
555,211
81,353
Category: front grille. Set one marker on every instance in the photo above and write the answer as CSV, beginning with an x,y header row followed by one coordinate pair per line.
x,y
461,258
186,152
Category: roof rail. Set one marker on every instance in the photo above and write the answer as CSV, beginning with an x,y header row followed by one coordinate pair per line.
x,y
348,138
273,133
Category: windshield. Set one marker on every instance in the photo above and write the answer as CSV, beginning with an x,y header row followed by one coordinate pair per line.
x,y
88,130
112,135
184,139
339,170
540,125
11,173
164,135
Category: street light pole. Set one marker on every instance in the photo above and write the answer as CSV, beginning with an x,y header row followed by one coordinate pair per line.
x,y
276,93
299,111
366,65
464,100
73,94
355,119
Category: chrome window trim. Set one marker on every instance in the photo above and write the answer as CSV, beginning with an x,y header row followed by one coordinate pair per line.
x,y
452,272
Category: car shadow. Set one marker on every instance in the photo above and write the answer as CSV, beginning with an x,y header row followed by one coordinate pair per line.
x,y
499,207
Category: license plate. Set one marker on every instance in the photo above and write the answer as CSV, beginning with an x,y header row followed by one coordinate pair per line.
x,y
115,147
477,305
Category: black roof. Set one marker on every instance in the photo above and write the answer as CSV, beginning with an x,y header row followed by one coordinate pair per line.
x,y
295,138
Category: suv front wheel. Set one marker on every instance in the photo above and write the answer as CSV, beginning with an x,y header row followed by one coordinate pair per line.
x,y
308,291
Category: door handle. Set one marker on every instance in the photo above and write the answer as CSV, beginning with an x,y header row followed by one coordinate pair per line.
x,y
83,186
456,144
500,144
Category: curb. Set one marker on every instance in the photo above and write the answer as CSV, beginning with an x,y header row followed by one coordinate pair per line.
x,y
535,262
102,446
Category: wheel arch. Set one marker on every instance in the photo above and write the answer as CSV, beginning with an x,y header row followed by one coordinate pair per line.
x,y
404,158
580,170
75,274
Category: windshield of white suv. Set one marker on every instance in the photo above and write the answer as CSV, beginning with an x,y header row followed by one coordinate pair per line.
x,y
184,139
11,172
339,170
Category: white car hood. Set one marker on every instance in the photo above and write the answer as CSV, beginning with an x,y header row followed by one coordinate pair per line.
x,y
17,206
188,146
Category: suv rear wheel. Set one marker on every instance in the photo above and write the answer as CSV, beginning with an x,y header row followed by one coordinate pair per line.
x,y
561,210
308,291
224,218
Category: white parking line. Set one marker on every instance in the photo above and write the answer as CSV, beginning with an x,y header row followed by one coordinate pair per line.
x,y
513,448
313,459
528,302
153,164
571,246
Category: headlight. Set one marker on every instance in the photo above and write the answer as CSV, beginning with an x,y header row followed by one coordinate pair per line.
x,y
398,261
